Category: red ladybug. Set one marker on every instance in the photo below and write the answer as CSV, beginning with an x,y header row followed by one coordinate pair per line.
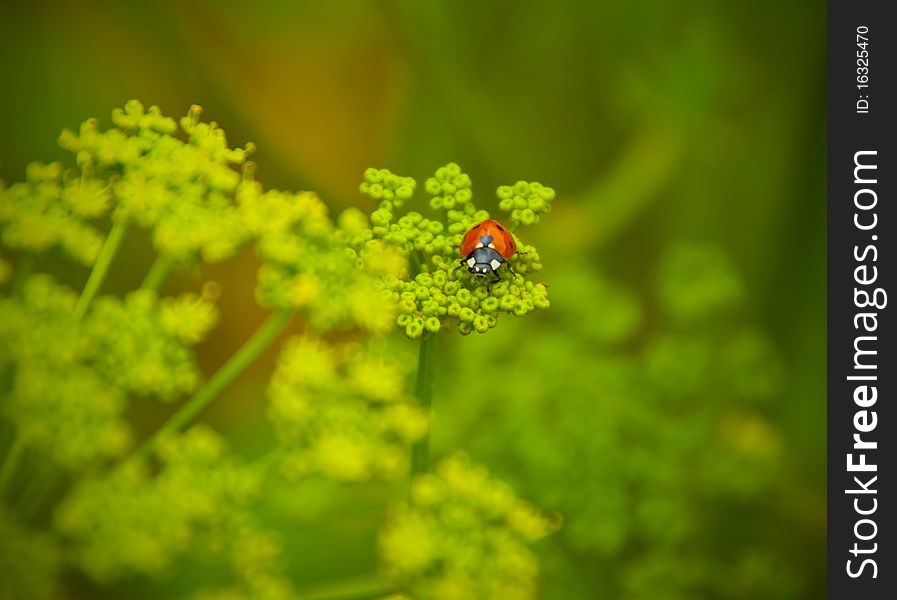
x,y
486,247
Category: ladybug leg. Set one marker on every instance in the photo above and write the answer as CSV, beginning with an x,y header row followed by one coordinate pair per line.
x,y
461,263
489,284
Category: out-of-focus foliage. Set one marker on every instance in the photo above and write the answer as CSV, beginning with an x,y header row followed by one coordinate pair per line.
x,y
667,405
29,562
663,428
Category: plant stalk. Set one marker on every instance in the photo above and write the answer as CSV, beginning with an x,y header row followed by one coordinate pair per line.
x,y
426,363
355,588
100,268
156,275
10,462
245,356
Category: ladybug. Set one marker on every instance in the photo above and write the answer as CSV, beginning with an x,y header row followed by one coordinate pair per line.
x,y
486,247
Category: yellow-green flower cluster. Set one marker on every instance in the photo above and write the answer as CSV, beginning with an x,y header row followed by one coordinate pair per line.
x,y
310,266
181,190
54,209
463,535
71,378
128,521
142,344
259,564
59,401
438,291
427,301
525,201
29,562
342,411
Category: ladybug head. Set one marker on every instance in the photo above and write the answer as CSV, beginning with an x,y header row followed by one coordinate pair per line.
x,y
482,261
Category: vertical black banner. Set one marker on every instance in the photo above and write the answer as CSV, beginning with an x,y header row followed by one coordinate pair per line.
x,y
862,365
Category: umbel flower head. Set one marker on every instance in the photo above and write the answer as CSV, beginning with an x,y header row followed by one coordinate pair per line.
x,y
463,535
139,172
72,377
54,208
437,292
58,401
342,411
180,188
143,344
309,266
128,521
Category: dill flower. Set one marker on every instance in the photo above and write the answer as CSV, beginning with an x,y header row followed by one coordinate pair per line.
x,y
308,267
127,521
462,535
435,294
54,208
72,378
58,401
143,343
342,411
181,190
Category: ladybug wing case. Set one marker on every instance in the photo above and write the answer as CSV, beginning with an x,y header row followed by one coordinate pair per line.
x,y
502,240
471,238
504,243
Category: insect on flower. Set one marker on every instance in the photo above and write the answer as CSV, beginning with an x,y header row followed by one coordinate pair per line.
x,y
486,247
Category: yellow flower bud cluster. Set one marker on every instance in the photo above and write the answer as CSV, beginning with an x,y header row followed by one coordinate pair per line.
x,y
463,534
438,292
129,521
343,411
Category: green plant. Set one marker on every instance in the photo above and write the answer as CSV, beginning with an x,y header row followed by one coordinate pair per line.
x,y
666,400
341,404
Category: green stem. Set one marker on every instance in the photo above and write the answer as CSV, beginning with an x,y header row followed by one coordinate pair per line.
x,y
10,462
245,356
155,277
420,453
416,261
100,268
357,588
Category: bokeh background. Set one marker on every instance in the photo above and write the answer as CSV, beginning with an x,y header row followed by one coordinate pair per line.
x,y
670,403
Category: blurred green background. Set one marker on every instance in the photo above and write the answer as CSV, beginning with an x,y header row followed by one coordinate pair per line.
x,y
670,403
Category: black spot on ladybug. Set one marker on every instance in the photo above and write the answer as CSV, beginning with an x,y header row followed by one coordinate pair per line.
x,y
500,228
